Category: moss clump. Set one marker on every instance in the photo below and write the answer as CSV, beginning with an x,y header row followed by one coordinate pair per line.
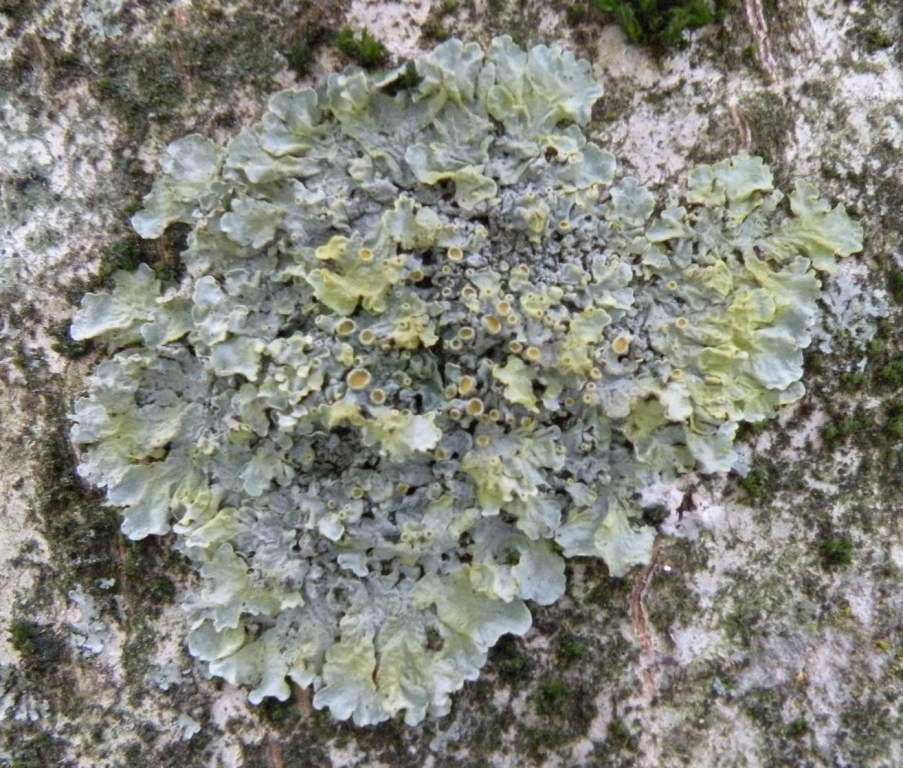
x,y
852,381
510,660
757,483
434,28
739,625
893,427
64,345
895,285
144,578
565,712
876,346
80,530
22,636
35,643
142,88
892,373
655,515
620,737
406,81
301,51
841,428
796,728
364,50
551,694
835,552
661,23
571,647
39,751
126,254
278,714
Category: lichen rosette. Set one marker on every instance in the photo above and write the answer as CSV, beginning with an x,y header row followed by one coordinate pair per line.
x,y
427,346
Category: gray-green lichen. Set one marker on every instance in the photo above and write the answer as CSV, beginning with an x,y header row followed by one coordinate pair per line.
x,y
428,344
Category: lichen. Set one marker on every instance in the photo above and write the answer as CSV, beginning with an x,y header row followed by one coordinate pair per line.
x,y
427,345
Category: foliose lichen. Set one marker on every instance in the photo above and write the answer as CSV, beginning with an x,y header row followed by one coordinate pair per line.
x,y
427,346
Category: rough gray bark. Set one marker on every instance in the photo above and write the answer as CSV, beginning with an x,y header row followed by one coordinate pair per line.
x,y
768,630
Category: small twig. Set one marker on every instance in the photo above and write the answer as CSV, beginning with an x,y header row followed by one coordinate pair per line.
x,y
755,16
640,620
743,132
274,753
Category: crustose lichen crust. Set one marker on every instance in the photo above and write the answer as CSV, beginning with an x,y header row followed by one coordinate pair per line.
x,y
426,347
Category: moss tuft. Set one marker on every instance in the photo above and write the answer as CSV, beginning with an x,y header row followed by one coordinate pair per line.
x,y
757,483
37,751
796,728
892,373
835,552
895,285
35,643
301,51
551,694
65,346
510,660
620,737
434,28
365,50
893,427
841,428
661,23
406,81
571,647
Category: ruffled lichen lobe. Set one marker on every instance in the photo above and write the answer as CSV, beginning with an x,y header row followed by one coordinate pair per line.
x,y
428,344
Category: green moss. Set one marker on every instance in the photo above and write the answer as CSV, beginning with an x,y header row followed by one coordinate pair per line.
x,y
510,660
876,346
620,737
770,123
661,23
841,428
852,381
577,13
892,373
763,706
835,551
895,285
434,28
144,575
364,50
893,427
795,729
80,530
22,634
301,51
406,81
63,344
571,647
655,515
550,696
190,54
36,644
750,430
739,625
757,483
36,751
749,57
565,711
141,88
126,254
278,714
